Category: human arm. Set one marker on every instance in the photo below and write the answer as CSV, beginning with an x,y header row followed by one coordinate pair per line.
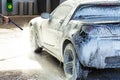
x,y
5,19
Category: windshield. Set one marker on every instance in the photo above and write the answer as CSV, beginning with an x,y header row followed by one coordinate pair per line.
x,y
97,11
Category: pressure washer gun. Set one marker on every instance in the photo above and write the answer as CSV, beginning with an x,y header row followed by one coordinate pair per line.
x,y
10,21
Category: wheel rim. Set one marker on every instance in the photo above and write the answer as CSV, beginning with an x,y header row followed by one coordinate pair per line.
x,y
72,67
69,65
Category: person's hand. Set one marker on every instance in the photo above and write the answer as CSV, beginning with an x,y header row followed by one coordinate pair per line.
x,y
6,19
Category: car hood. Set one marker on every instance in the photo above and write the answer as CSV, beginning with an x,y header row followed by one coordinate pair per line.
x,y
36,19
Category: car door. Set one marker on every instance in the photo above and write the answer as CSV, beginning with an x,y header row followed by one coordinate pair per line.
x,y
51,26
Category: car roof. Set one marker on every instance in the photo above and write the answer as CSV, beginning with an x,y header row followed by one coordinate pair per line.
x,y
78,2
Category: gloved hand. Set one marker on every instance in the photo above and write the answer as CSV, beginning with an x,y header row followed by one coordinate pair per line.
x,y
6,19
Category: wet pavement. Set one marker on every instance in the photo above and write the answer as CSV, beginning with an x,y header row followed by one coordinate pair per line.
x,y
19,62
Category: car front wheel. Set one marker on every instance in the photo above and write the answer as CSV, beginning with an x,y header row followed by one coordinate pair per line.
x,y
34,42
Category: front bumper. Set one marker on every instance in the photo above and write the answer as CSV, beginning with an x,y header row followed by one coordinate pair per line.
x,y
102,52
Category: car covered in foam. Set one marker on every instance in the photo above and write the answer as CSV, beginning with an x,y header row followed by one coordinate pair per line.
x,y
81,34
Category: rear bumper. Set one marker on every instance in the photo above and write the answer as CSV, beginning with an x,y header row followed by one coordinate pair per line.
x,y
100,52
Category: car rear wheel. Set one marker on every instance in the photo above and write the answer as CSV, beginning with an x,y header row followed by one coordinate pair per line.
x,y
72,68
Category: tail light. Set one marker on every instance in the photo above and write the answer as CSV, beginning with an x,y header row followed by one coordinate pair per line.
x,y
88,29
100,29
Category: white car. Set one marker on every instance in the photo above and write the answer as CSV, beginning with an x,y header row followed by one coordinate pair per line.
x,y
81,34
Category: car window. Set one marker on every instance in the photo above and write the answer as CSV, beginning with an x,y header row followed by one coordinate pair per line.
x,y
97,11
61,12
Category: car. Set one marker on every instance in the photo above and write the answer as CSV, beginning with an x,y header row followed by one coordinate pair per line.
x,y
82,34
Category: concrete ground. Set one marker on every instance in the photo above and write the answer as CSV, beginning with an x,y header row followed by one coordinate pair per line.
x,y
19,62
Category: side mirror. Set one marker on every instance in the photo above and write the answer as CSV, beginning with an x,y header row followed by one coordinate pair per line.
x,y
45,15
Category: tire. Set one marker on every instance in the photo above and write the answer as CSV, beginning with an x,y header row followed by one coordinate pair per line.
x,y
34,42
72,68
